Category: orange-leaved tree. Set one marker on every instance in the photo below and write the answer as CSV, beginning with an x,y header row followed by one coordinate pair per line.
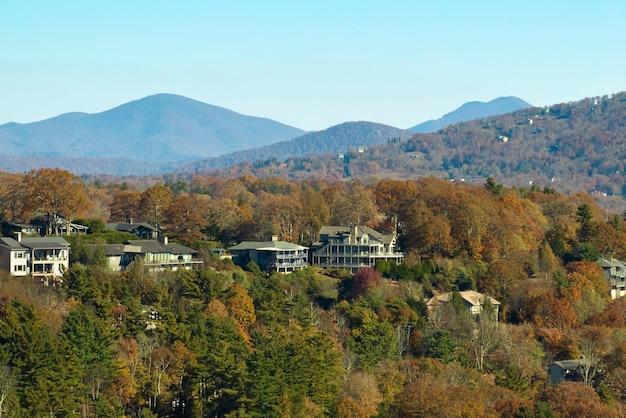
x,y
57,193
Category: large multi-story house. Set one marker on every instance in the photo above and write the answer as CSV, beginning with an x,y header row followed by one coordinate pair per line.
x,y
271,256
353,248
156,255
46,258
615,275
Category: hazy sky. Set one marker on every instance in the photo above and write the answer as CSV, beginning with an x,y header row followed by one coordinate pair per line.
x,y
309,64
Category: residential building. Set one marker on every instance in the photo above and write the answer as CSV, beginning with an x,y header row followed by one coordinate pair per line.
x,y
141,229
271,256
472,300
353,248
44,257
157,255
11,228
59,226
615,275
571,370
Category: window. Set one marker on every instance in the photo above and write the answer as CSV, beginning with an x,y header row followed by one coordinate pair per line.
x,y
19,254
19,268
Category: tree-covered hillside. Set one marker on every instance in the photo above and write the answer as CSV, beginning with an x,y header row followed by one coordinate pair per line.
x,y
332,140
578,146
226,341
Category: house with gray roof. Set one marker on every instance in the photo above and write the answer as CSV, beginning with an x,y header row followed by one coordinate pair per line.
x,y
271,256
353,248
615,275
571,370
46,258
156,255
141,229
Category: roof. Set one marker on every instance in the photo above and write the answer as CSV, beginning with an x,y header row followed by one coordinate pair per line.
x,y
34,242
570,364
143,246
10,243
126,227
470,296
21,225
110,250
608,263
44,242
154,246
336,231
266,246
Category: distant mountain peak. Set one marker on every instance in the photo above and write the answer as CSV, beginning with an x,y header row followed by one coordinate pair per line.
x,y
473,110
162,127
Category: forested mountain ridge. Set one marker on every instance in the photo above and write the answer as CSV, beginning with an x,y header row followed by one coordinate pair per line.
x,y
335,139
576,146
158,128
473,110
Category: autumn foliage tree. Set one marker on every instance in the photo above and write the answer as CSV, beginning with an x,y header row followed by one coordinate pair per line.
x,y
154,202
125,206
364,280
56,193
186,217
573,399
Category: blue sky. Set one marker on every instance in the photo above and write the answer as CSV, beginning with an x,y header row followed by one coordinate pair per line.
x,y
307,64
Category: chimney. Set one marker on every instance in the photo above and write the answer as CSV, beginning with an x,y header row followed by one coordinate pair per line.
x,y
274,238
354,231
130,220
18,236
163,239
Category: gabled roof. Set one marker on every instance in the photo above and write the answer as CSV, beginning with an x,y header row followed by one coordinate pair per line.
x,y
155,247
266,246
126,227
610,262
470,296
337,231
10,243
570,364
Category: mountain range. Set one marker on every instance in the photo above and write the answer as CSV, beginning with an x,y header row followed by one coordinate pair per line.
x,y
471,111
166,132
571,147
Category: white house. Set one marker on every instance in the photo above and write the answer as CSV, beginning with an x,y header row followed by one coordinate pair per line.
x,y
44,257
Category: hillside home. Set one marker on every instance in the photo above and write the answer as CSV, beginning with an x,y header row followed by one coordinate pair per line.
x,y
570,370
46,258
353,248
10,229
141,229
615,275
472,300
271,256
157,255
60,226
